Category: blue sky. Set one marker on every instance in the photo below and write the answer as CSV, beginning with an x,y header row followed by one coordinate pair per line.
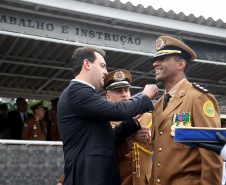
x,y
215,9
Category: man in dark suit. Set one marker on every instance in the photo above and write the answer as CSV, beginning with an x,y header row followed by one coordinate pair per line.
x,y
17,118
84,122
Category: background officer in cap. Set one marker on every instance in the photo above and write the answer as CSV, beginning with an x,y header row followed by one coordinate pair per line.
x,y
175,163
135,152
35,128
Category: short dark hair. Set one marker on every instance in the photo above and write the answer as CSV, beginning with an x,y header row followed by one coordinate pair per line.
x,y
177,58
80,54
3,106
19,99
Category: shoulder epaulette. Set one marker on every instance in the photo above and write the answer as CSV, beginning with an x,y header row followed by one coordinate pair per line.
x,y
200,88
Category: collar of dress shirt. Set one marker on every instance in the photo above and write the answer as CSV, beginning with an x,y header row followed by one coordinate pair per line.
x,y
83,82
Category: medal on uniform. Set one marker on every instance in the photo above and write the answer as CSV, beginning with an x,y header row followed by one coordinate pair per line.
x,y
173,124
187,119
34,127
180,120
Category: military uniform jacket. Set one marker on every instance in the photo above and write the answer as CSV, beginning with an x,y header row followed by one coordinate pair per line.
x,y
54,131
32,130
175,163
89,142
127,163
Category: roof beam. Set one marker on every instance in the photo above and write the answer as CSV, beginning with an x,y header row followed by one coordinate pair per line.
x,y
126,16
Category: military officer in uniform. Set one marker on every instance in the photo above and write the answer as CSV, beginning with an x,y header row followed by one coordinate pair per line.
x,y
35,128
135,152
182,104
54,131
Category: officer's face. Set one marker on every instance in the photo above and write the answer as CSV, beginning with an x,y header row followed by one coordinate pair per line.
x,y
119,94
166,69
40,112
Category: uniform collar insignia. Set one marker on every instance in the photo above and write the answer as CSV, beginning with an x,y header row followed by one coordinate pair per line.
x,y
181,92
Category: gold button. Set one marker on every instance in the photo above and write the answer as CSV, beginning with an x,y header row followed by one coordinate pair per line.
x,y
134,172
134,160
158,181
160,133
160,149
158,164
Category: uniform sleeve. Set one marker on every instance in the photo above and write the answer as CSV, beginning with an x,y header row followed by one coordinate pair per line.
x,y
62,178
26,131
206,114
124,130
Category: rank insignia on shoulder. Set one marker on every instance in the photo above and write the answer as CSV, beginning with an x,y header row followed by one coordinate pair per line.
x,y
200,88
25,125
208,109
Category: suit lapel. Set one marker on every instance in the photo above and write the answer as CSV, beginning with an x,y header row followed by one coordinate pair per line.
x,y
174,103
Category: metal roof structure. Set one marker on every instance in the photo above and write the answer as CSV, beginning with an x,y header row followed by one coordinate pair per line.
x,y
38,37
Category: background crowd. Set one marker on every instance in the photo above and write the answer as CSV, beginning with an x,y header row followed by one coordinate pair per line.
x,y
20,123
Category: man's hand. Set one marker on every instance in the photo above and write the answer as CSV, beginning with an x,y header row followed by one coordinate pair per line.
x,y
215,147
137,117
150,90
140,135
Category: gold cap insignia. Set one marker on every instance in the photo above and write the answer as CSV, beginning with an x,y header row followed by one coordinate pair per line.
x,y
160,44
119,76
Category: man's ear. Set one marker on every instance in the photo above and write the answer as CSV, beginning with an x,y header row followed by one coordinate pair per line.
x,y
108,97
182,64
86,64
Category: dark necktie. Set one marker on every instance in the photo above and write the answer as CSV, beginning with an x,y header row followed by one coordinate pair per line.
x,y
25,117
40,122
166,100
